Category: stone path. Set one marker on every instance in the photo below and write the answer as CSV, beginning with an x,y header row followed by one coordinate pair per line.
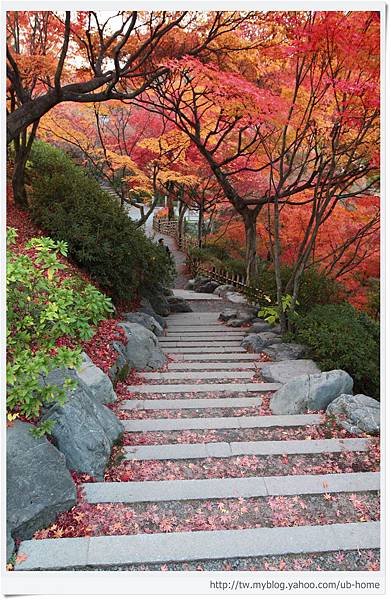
x,y
210,371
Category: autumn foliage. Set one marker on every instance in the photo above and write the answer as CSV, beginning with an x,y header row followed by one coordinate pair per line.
x,y
265,123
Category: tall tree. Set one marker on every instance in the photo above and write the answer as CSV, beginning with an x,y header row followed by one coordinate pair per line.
x,y
304,132
96,57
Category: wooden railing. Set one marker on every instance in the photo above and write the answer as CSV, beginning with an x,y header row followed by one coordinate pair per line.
x,y
170,227
185,242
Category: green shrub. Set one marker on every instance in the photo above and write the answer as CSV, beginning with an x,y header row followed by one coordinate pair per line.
x,y
42,308
71,206
315,288
341,337
218,257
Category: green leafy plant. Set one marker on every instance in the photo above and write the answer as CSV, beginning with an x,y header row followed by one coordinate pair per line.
x,y
315,287
45,309
271,314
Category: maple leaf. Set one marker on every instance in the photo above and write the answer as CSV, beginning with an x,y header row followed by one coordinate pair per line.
x,y
21,558
58,533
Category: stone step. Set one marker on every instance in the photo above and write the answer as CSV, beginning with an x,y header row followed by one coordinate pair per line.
x,y
238,487
208,351
214,366
220,423
112,551
179,388
224,449
200,337
190,295
194,318
164,343
242,357
205,341
200,328
197,375
191,403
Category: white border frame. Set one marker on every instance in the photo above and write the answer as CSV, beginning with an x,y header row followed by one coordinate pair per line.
x,y
170,582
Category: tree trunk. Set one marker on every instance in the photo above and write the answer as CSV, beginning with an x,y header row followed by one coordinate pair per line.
x,y
170,204
181,217
250,225
277,268
200,226
18,179
22,146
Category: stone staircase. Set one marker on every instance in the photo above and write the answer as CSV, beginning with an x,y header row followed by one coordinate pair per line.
x,y
210,372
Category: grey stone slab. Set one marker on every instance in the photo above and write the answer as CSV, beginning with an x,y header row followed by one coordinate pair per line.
x,y
194,319
177,388
218,449
353,537
242,357
200,344
207,330
49,554
197,375
236,487
184,489
292,485
218,337
190,295
222,449
300,446
203,545
166,452
212,366
191,403
219,423
211,350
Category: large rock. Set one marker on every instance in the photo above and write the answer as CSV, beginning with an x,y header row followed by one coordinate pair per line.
x,y
84,429
243,316
222,290
235,298
160,304
206,288
259,328
153,306
97,381
179,305
286,370
149,311
120,369
256,342
356,414
10,545
310,392
145,320
227,314
286,351
39,486
142,348
236,322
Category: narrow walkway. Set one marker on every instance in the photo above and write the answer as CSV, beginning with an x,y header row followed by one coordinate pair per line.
x,y
211,480
216,481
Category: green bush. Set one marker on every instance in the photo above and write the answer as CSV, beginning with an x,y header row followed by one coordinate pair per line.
x,y
71,206
43,309
218,257
315,288
341,337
